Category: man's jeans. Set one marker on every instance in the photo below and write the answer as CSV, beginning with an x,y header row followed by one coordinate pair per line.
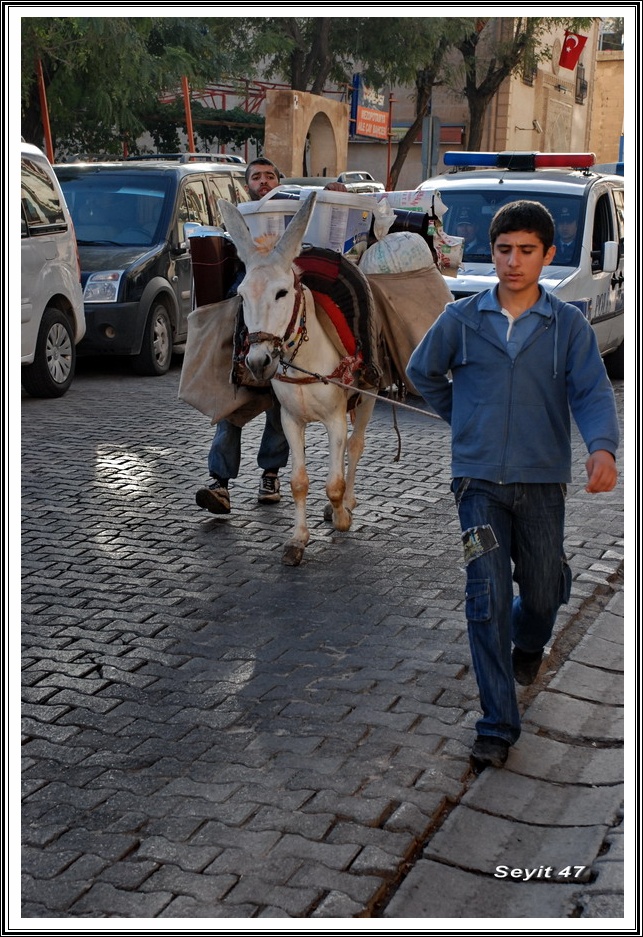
x,y
224,459
527,521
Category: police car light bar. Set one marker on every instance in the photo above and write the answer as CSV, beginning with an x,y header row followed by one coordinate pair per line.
x,y
521,161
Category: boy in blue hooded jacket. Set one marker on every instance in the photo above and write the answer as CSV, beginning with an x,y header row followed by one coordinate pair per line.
x,y
520,360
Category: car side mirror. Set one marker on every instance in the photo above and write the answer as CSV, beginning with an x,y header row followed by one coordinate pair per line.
x,y
610,256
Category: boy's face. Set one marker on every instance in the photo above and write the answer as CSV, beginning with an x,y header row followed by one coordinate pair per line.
x,y
519,257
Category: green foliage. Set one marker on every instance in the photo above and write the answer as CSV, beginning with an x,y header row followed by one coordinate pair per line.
x,y
213,127
104,74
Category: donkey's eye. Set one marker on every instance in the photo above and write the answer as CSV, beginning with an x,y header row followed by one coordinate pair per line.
x,y
281,294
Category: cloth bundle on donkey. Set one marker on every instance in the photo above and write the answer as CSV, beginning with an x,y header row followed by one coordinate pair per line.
x,y
407,304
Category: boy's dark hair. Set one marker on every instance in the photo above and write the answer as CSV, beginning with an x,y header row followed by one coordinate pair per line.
x,y
523,215
260,161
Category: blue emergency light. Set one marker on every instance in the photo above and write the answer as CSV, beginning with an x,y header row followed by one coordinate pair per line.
x,y
520,160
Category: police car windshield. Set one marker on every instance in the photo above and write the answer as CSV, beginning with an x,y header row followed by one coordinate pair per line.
x,y
114,208
469,216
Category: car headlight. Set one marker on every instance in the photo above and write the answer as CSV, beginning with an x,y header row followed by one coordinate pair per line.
x,y
103,287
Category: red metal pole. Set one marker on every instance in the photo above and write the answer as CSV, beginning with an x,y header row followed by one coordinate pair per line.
x,y
188,113
44,110
391,102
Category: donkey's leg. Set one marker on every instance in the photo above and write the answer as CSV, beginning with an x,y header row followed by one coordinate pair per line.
x,y
335,480
355,446
295,434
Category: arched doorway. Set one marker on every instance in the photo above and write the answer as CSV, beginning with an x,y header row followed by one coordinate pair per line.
x,y
320,149
306,134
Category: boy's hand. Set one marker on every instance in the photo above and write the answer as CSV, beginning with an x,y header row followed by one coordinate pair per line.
x,y
601,471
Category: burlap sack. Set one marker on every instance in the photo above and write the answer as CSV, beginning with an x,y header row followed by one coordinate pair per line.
x,y
407,305
205,376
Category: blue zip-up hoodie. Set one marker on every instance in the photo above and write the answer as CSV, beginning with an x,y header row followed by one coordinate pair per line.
x,y
510,419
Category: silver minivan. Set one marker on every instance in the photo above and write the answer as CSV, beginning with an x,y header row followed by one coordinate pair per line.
x,y
52,314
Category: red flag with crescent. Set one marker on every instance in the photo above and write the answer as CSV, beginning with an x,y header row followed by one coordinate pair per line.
x,y
573,46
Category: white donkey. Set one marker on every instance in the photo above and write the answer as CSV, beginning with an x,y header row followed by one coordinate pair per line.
x,y
279,313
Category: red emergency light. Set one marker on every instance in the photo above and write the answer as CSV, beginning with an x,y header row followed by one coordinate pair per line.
x,y
520,160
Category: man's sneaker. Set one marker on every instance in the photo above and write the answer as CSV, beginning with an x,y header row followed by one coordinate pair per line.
x,y
526,665
488,751
269,489
215,498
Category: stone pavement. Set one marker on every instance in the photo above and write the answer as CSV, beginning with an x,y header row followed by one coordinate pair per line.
x,y
210,734
542,838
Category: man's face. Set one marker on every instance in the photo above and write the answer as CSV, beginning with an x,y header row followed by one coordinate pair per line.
x,y
567,229
261,180
466,230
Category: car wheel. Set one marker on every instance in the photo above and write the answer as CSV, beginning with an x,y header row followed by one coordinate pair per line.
x,y
156,352
54,363
615,362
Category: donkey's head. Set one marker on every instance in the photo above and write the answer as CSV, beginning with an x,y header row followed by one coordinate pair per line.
x,y
270,290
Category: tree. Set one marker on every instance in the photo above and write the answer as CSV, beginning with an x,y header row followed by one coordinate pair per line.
x,y
493,49
104,75
304,52
426,41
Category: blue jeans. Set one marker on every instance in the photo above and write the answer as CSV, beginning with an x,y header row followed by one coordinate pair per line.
x,y
224,459
527,521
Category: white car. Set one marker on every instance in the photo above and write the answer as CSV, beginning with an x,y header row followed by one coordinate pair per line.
x,y
52,312
587,207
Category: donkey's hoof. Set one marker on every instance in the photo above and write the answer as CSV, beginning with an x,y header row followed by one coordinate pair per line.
x,y
347,517
293,554
344,521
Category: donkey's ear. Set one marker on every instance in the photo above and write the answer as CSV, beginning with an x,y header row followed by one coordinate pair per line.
x,y
238,230
289,245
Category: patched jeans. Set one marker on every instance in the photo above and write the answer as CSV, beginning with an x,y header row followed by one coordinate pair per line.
x,y
511,533
224,459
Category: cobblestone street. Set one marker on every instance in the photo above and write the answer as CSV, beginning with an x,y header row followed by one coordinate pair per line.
x,y
208,733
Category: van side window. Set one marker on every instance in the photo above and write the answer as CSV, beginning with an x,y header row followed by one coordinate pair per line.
x,y
238,187
41,208
219,189
193,205
603,231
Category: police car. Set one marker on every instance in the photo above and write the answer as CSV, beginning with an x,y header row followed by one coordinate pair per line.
x,y
587,207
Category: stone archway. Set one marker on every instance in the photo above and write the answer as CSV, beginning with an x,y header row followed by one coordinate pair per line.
x,y
306,128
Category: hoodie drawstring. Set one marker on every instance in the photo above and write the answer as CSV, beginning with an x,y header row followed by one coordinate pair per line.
x,y
555,347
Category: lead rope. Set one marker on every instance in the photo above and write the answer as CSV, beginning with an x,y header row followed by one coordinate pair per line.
x,y
368,393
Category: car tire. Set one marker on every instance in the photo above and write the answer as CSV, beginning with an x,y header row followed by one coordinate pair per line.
x,y
615,363
155,356
54,363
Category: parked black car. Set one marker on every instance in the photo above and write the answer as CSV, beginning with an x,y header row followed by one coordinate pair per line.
x,y
135,258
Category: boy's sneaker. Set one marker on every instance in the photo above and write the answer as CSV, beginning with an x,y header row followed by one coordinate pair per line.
x,y
488,751
215,498
526,665
269,489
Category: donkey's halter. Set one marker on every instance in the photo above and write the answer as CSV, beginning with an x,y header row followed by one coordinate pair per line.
x,y
295,332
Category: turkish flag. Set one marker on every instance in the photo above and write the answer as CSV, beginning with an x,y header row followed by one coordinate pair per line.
x,y
572,47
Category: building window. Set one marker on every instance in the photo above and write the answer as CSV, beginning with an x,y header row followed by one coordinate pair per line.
x,y
581,85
